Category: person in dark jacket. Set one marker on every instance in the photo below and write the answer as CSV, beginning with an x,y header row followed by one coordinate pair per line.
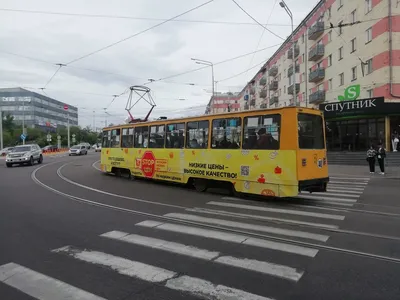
x,y
371,153
381,155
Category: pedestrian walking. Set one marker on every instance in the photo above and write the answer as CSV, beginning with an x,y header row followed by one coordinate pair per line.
x,y
371,153
381,154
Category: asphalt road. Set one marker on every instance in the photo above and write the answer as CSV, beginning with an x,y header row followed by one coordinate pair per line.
x,y
70,232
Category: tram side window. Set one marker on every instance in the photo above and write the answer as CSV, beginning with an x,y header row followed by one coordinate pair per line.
x,y
262,132
127,138
157,136
106,139
115,138
226,133
311,131
141,139
175,136
197,135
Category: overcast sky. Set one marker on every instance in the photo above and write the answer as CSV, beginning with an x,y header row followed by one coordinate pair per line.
x,y
164,51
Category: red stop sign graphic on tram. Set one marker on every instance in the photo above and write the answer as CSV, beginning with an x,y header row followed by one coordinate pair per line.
x,y
148,164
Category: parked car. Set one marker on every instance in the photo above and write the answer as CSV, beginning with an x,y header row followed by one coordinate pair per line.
x,y
50,148
5,151
78,150
24,154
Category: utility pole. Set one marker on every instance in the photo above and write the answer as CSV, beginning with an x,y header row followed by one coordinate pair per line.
x,y
1,129
23,120
94,121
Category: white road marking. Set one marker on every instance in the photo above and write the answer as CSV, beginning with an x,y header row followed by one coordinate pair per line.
x,y
261,228
334,190
330,194
320,197
349,183
121,265
208,290
350,178
345,187
182,249
40,286
258,217
230,237
278,210
173,247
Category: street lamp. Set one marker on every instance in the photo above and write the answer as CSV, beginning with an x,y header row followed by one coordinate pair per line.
x,y
207,63
289,12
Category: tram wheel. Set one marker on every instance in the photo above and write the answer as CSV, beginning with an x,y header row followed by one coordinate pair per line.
x,y
200,184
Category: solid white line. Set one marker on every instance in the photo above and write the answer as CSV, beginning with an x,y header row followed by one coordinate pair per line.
x,y
350,178
173,247
261,267
40,286
258,217
277,210
349,183
182,249
261,228
121,265
335,190
230,237
208,290
330,194
320,197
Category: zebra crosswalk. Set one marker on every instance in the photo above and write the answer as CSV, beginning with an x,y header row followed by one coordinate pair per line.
x,y
229,238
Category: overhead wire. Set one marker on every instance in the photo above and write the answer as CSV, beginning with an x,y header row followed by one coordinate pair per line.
x,y
139,33
251,17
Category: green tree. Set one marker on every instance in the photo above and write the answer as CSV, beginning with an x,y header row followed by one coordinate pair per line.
x,y
9,124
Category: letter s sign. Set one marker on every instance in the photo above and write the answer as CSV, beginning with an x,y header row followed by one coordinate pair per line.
x,y
352,92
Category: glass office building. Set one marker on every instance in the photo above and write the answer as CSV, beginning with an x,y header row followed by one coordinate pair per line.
x,y
37,110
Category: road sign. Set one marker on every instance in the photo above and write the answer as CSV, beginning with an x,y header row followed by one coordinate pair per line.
x,y
65,107
148,164
23,137
74,135
58,137
73,140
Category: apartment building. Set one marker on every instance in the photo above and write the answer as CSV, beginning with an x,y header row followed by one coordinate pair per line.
x,y
35,109
344,51
224,102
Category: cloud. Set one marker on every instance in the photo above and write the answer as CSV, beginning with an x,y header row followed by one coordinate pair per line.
x,y
158,53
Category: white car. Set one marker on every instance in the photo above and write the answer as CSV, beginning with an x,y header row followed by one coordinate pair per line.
x,y
78,150
24,154
5,151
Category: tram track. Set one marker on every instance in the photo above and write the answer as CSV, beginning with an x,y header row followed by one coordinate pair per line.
x,y
208,226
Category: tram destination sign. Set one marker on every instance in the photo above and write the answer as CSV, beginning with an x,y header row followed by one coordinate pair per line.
x,y
370,106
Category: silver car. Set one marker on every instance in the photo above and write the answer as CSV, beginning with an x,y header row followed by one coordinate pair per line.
x,y
78,150
24,154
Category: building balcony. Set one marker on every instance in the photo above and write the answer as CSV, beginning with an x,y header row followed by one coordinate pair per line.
x,y
316,30
291,87
273,100
273,71
252,90
253,102
263,81
290,70
317,97
246,106
263,94
296,52
316,75
273,86
316,53
263,105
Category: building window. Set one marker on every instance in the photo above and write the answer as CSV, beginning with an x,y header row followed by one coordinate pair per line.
x,y
353,73
197,135
368,35
141,139
303,56
340,4
302,38
341,79
330,60
330,84
284,73
157,136
368,66
370,93
353,16
127,138
303,76
341,53
304,96
330,36
262,132
340,28
290,80
353,45
329,12
226,133
368,6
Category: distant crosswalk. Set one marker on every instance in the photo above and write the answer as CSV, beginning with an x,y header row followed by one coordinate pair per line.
x,y
237,236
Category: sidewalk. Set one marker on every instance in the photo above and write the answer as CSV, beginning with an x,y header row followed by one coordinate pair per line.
x,y
363,171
